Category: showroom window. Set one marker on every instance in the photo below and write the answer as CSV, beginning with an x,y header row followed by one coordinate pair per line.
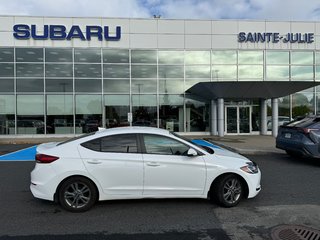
x,y
277,66
60,114
7,111
88,113
117,108
30,114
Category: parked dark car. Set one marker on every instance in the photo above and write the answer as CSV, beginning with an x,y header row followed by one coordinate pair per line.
x,y
300,137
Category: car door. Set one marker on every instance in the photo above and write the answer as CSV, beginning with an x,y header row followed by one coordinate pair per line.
x,y
168,171
116,163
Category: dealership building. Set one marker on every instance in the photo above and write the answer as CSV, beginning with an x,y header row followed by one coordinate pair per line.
x,y
67,76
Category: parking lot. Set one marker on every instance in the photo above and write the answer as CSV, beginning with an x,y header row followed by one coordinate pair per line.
x,y
290,195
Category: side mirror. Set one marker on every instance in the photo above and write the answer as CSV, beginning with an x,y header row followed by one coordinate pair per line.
x,y
191,152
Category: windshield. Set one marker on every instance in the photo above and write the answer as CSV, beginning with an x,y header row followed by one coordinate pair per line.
x,y
207,149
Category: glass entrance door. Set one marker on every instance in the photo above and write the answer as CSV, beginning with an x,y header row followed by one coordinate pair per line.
x,y
238,119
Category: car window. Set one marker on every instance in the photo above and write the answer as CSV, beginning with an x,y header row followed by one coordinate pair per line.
x,y
304,122
156,144
122,143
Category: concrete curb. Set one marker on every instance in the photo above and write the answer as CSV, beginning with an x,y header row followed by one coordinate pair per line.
x,y
245,150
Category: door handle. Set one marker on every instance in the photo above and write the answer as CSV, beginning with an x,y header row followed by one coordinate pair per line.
x,y
94,162
153,164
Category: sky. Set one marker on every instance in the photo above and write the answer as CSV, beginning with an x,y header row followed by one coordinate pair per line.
x,y
300,10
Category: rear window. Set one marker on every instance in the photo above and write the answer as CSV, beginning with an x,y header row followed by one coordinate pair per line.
x,y
76,138
122,143
305,122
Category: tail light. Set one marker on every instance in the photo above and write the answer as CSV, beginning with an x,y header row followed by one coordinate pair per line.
x,y
307,130
43,158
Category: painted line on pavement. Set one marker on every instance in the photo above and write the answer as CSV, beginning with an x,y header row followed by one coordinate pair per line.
x,y
26,154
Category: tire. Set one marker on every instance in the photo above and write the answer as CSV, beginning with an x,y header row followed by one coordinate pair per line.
x,y
228,191
293,154
77,194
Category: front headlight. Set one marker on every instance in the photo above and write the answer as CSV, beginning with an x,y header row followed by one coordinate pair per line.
x,y
251,167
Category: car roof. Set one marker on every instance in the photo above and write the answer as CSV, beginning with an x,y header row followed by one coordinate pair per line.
x,y
135,129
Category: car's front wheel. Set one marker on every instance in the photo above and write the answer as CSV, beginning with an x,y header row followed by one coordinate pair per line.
x,y
77,194
228,190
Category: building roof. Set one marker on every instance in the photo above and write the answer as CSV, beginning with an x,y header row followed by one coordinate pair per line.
x,y
247,90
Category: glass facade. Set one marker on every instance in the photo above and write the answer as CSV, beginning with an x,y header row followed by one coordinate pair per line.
x,y
77,90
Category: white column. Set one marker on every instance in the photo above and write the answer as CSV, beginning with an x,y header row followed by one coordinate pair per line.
x,y
220,117
275,116
213,118
263,117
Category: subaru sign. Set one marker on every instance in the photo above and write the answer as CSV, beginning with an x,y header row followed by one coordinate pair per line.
x,y
60,32
275,37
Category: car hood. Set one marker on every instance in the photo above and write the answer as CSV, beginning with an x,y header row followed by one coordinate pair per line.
x,y
219,151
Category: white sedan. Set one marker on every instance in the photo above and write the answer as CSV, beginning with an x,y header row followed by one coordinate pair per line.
x,y
139,162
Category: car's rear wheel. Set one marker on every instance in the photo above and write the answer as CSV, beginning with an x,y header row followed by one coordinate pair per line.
x,y
228,190
77,194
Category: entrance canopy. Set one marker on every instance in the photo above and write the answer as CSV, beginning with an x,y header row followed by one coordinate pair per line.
x,y
248,90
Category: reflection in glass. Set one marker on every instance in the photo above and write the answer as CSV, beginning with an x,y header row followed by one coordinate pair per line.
x,y
277,57
144,86
88,113
87,85
171,112
144,71
250,72
220,72
171,86
29,70
302,104
171,57
317,73
197,57
277,72
302,73
116,85
224,57
305,58
115,56
198,71
58,54
116,71
6,85
7,111
250,57
30,114
144,110
29,54
59,85
317,61
144,56
192,81
60,114
87,70
197,116
30,105
6,55
58,70
117,109
167,71
30,85
6,69
87,55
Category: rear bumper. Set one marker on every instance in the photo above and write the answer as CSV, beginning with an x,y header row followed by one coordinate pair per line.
x,y
307,150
